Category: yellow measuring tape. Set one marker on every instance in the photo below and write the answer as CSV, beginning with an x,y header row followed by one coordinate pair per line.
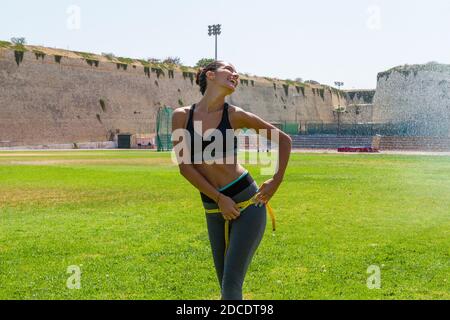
x,y
242,206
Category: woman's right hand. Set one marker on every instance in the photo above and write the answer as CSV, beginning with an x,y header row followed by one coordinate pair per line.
x,y
229,209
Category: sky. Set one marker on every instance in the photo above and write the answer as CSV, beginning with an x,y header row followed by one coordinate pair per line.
x,y
348,41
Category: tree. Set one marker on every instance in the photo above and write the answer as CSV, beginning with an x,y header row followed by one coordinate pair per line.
x,y
312,82
154,60
19,41
109,56
204,62
299,79
172,60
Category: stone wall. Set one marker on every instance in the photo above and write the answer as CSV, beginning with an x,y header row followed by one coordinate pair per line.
x,y
418,95
359,107
357,114
46,102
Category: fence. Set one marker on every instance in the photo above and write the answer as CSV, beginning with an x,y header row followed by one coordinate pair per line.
x,y
164,129
406,128
290,127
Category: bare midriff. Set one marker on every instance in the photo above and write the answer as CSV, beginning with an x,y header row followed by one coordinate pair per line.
x,y
220,175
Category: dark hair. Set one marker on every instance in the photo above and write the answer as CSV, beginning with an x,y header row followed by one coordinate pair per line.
x,y
201,74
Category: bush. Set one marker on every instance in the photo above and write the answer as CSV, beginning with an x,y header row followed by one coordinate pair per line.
x,y
204,62
19,41
172,60
125,60
154,60
4,44
109,56
312,82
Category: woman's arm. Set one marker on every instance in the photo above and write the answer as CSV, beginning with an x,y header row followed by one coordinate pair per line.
x,y
191,174
242,119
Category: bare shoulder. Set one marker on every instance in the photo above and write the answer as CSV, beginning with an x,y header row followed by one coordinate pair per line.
x,y
237,116
181,110
236,112
179,116
233,108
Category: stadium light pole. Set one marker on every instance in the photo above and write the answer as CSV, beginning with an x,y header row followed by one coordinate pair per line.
x,y
339,84
215,30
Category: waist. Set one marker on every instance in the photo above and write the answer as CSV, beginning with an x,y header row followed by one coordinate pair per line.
x,y
241,189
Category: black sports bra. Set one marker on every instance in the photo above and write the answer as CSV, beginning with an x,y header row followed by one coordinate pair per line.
x,y
222,128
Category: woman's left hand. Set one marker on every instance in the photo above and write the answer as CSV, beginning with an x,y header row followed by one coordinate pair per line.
x,y
266,191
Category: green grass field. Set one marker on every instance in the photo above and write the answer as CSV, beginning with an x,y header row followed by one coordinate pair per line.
x,y
136,228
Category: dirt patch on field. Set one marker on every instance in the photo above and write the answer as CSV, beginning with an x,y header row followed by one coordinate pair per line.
x,y
10,197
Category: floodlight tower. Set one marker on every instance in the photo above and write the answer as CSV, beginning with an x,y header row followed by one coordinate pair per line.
x,y
215,30
339,110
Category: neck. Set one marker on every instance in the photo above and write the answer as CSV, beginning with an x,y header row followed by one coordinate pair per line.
x,y
211,102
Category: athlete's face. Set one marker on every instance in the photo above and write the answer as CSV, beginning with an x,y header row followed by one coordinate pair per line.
x,y
226,77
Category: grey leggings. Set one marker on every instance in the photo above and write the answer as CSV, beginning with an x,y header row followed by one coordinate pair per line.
x,y
245,236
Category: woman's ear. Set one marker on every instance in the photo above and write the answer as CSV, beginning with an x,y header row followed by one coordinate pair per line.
x,y
210,75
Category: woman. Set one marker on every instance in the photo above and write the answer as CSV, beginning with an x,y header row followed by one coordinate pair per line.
x,y
235,207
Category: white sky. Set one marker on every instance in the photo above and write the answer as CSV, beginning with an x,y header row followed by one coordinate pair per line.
x,y
347,40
